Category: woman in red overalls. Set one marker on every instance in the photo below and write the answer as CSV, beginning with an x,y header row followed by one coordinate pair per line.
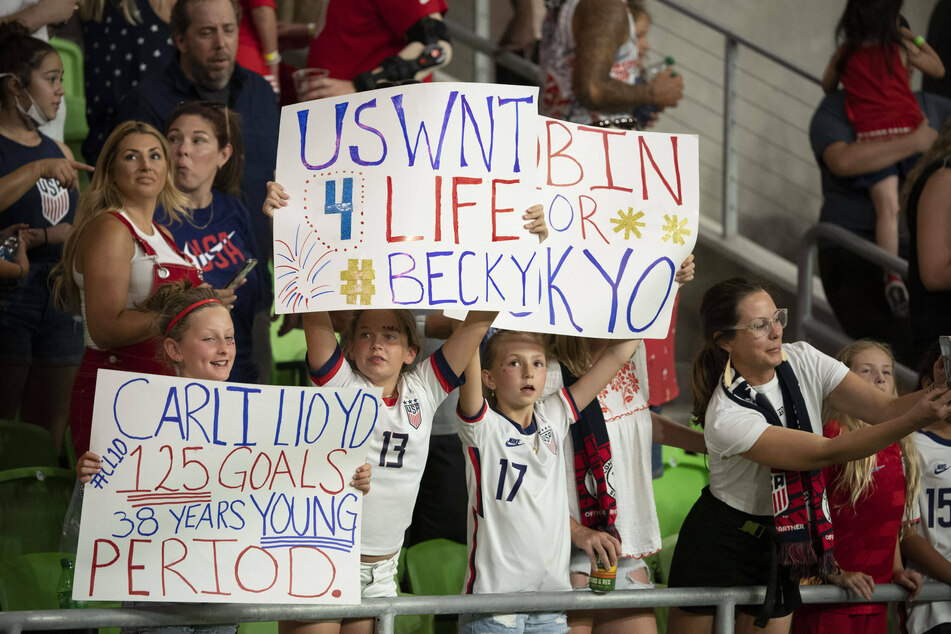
x,y
117,256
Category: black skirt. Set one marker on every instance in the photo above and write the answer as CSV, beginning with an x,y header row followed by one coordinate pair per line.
x,y
720,546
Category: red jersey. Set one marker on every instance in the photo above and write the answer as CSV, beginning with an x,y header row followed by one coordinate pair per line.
x,y
878,97
866,536
359,34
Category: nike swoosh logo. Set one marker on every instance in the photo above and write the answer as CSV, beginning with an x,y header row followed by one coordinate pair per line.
x,y
941,468
513,442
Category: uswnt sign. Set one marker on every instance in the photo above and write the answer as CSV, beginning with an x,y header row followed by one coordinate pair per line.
x,y
412,197
407,197
223,492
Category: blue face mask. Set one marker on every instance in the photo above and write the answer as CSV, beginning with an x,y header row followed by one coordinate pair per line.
x,y
34,113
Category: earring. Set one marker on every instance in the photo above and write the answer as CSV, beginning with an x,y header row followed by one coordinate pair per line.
x,y
180,359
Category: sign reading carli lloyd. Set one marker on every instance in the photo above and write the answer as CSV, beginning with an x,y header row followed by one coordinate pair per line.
x,y
622,209
408,197
223,492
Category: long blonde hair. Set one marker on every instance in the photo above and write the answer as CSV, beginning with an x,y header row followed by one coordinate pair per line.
x,y
572,352
855,478
103,196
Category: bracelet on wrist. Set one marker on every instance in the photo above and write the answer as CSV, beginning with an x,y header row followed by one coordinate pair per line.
x,y
919,41
311,29
272,58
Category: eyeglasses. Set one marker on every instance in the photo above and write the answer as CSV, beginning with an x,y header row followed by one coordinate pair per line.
x,y
761,327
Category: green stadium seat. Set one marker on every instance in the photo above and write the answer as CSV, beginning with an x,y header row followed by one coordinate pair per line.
x,y
26,445
34,502
76,129
676,491
437,567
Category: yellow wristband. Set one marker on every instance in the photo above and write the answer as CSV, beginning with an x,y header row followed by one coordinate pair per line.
x,y
272,58
918,41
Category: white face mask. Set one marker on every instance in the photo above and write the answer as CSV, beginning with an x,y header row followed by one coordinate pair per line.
x,y
34,113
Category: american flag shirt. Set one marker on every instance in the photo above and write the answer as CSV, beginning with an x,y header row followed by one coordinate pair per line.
x,y
44,205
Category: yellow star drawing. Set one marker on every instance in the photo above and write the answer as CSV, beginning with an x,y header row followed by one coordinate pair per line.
x,y
628,222
676,230
359,281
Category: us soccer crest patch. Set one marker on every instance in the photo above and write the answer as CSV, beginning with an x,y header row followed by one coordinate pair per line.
x,y
548,437
411,406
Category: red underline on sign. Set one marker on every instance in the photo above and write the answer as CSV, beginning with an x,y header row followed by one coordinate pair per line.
x,y
157,499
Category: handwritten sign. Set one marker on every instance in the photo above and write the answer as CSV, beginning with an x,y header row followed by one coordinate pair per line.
x,y
223,492
408,197
623,212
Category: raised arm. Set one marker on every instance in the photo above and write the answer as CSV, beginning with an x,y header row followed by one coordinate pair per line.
x,y
921,55
104,260
600,27
320,337
589,385
470,392
792,450
462,343
862,400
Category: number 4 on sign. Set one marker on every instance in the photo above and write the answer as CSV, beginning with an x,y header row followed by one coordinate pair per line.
x,y
344,207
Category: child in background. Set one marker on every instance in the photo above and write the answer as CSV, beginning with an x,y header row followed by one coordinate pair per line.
x,y
874,63
518,528
930,552
199,342
621,415
871,501
377,349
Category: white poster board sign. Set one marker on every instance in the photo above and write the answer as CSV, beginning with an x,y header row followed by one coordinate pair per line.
x,y
223,492
408,197
623,213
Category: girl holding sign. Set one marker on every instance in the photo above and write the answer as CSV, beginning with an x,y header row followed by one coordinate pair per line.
x,y
622,508
198,342
512,439
377,349
764,519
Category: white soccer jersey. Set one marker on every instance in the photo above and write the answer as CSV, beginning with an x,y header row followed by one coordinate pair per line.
x,y
519,538
934,504
398,446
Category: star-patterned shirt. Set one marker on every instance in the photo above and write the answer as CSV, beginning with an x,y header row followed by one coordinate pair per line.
x,y
118,56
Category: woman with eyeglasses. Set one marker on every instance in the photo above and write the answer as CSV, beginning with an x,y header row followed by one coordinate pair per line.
x,y
764,519
207,153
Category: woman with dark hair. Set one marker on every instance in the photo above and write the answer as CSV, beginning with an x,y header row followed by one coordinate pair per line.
x,y
208,160
40,347
117,256
764,519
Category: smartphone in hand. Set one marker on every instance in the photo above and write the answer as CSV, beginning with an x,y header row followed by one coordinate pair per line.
x,y
945,342
243,273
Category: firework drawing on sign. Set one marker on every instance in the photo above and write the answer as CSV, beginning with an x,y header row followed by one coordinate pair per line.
x,y
296,269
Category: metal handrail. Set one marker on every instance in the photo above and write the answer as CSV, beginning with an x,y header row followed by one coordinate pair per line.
x,y
725,599
802,319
